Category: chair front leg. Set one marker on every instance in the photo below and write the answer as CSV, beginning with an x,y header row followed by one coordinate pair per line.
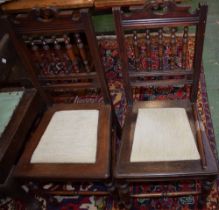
x,y
14,190
206,188
110,185
124,197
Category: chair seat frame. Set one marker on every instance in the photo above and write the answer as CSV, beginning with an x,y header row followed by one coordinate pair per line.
x,y
125,171
68,172
154,171
66,21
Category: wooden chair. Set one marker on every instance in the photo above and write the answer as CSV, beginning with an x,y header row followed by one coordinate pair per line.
x,y
72,142
19,108
162,140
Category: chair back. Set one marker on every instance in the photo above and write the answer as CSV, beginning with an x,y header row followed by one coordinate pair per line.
x,y
12,71
60,52
156,46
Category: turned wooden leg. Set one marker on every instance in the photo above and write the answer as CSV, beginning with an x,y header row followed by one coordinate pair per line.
x,y
12,189
206,189
124,198
110,186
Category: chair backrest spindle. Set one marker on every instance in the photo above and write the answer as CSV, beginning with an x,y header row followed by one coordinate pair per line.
x,y
136,50
173,49
82,52
148,47
185,47
166,38
63,62
160,36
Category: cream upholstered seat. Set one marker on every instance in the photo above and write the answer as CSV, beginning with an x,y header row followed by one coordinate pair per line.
x,y
70,137
163,134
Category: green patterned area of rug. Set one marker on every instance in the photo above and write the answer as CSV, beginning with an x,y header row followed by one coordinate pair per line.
x,y
8,103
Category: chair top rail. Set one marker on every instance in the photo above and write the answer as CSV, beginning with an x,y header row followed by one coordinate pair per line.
x,y
162,14
155,23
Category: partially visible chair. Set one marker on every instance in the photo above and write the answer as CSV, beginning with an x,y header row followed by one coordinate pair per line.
x,y
162,140
19,109
73,141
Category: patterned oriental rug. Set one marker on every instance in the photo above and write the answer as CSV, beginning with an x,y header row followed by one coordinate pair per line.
x,y
109,52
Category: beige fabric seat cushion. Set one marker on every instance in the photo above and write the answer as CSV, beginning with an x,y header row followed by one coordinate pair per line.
x,y
163,134
70,137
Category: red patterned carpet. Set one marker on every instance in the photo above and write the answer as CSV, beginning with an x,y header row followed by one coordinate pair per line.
x,y
110,59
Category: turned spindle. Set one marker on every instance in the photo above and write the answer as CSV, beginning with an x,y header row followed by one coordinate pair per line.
x,y
35,49
36,54
148,49
185,47
173,48
46,55
71,53
136,51
59,56
160,54
82,51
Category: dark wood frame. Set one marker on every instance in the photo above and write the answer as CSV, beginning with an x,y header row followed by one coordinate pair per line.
x,y
12,141
78,171
15,134
32,24
127,172
108,123
154,171
176,16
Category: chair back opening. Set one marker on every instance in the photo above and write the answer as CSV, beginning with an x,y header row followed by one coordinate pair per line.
x,y
60,51
160,48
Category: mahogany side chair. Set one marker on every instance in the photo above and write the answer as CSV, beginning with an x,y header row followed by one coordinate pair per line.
x,y
73,141
162,140
19,109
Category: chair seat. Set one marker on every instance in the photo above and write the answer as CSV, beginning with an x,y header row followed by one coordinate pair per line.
x,y
163,134
70,137
159,141
71,141
8,104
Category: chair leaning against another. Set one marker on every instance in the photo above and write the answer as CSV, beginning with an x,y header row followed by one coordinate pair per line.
x,y
19,109
162,140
